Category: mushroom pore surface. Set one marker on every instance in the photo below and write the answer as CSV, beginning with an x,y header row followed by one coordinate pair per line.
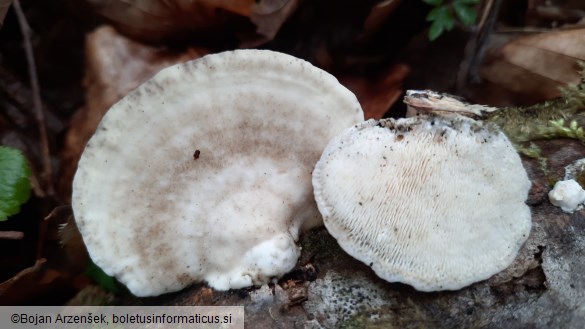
x,y
203,173
432,202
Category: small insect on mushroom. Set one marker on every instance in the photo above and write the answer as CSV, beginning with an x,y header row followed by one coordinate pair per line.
x,y
446,209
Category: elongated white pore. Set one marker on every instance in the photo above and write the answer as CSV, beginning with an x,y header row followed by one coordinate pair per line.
x,y
203,173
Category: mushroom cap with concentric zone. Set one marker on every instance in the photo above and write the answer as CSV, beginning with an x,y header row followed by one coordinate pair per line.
x,y
203,173
433,202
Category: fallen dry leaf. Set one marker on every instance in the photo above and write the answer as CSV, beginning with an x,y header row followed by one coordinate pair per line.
x,y
377,95
4,5
378,15
537,66
115,66
30,283
153,20
268,16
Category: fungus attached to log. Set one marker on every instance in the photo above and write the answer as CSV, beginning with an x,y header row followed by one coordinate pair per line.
x,y
437,203
568,195
203,173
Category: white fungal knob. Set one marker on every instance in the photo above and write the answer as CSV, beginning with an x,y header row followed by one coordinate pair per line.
x,y
567,194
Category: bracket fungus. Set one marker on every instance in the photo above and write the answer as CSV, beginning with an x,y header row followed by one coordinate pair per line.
x,y
428,101
434,202
203,173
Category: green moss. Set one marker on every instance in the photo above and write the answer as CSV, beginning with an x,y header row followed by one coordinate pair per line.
x,y
560,118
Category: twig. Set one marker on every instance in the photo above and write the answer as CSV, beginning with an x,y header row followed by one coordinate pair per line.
x,y
4,5
47,172
11,235
36,267
476,47
20,96
524,30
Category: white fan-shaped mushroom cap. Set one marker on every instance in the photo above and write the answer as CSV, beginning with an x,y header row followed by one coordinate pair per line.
x,y
203,173
431,202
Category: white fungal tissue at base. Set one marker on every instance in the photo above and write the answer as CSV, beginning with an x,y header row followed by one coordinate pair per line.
x,y
268,259
568,195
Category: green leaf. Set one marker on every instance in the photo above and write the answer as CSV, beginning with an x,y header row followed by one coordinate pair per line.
x,y
436,13
442,19
433,2
435,30
466,14
14,182
448,21
103,280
